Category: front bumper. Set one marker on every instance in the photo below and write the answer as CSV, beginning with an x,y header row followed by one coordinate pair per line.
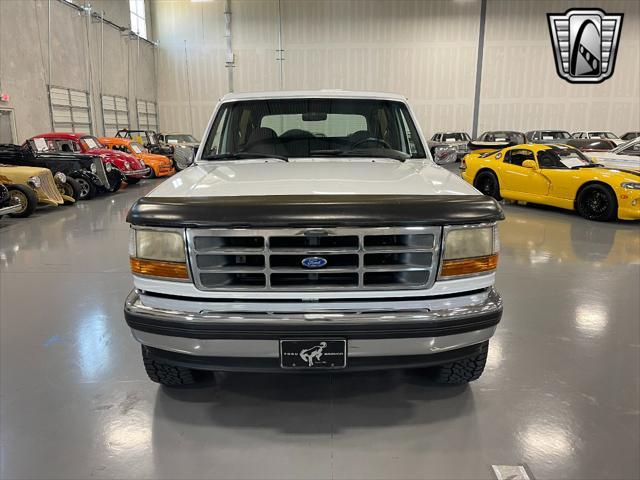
x,y
136,173
376,339
10,209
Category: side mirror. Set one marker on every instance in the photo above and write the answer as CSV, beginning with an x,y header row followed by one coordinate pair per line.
x,y
529,164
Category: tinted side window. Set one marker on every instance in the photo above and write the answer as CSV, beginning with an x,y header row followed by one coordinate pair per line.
x,y
517,157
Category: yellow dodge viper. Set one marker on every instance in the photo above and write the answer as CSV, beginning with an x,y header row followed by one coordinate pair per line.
x,y
556,175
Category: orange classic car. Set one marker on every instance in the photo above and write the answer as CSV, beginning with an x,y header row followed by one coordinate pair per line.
x,y
160,166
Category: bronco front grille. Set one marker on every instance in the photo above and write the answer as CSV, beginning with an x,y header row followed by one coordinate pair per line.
x,y
356,259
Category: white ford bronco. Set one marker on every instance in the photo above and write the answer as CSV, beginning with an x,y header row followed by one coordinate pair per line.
x,y
313,233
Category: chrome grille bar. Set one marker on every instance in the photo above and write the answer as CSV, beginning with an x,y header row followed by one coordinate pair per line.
x,y
47,183
271,259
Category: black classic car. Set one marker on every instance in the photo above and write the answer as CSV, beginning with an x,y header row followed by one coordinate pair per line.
x,y
149,139
85,174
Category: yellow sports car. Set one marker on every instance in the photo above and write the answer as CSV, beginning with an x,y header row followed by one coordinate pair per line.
x,y
556,175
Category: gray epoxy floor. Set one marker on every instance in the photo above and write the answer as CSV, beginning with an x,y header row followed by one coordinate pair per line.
x,y
561,393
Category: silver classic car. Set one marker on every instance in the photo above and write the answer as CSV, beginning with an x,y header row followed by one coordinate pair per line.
x,y
456,140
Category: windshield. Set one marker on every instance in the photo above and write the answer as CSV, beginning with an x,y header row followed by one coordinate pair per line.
x,y
553,135
602,135
455,137
562,157
511,137
181,139
292,128
91,142
136,147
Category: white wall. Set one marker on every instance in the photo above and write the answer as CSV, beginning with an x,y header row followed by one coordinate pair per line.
x,y
128,71
425,50
521,89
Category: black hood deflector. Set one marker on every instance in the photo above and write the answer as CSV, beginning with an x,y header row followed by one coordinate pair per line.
x,y
314,211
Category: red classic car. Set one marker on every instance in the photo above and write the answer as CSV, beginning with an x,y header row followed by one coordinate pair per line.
x,y
131,168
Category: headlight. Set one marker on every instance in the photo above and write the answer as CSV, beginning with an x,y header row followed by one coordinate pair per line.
x,y
631,185
469,250
60,177
108,167
94,169
34,181
127,165
159,253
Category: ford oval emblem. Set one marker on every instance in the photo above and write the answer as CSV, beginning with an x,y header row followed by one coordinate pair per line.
x,y
314,262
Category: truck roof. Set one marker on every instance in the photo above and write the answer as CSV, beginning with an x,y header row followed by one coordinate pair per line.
x,y
329,93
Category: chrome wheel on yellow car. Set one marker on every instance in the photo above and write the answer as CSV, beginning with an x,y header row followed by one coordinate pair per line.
x,y
25,197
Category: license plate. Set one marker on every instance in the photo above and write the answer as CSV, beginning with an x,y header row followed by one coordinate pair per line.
x,y
308,354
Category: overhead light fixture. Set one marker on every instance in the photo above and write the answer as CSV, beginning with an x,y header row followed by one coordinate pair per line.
x,y
201,1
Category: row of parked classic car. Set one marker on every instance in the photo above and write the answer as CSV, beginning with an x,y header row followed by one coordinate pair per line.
x,y
62,168
443,145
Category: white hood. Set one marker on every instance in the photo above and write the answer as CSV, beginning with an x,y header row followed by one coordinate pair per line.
x,y
313,176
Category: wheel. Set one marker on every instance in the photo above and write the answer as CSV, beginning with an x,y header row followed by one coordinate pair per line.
x,y
597,202
462,371
151,173
115,184
75,187
173,375
487,183
24,196
69,190
87,189
132,181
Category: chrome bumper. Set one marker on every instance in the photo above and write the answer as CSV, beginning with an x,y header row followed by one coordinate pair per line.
x,y
142,171
199,332
9,209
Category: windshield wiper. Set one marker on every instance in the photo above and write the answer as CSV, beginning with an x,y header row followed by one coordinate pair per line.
x,y
357,153
243,156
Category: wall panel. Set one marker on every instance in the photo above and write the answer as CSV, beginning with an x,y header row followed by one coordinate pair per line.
x,y
521,89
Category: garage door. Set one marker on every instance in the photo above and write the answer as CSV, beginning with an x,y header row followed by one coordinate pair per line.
x,y
115,114
70,110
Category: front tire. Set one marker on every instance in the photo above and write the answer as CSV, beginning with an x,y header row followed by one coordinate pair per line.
x,y
151,174
598,203
173,376
87,189
488,184
24,196
132,181
464,370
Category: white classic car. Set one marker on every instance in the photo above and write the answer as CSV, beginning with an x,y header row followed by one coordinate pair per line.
x,y
625,156
598,134
313,232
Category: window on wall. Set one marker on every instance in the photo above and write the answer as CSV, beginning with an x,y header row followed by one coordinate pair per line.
x,y
70,110
138,18
115,114
147,116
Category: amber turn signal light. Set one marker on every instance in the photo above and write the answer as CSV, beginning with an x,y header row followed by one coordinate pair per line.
x,y
469,266
157,268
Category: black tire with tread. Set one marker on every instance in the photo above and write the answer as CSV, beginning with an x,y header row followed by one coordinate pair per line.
x,y
481,180
462,371
31,197
610,208
151,174
91,187
75,186
173,375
